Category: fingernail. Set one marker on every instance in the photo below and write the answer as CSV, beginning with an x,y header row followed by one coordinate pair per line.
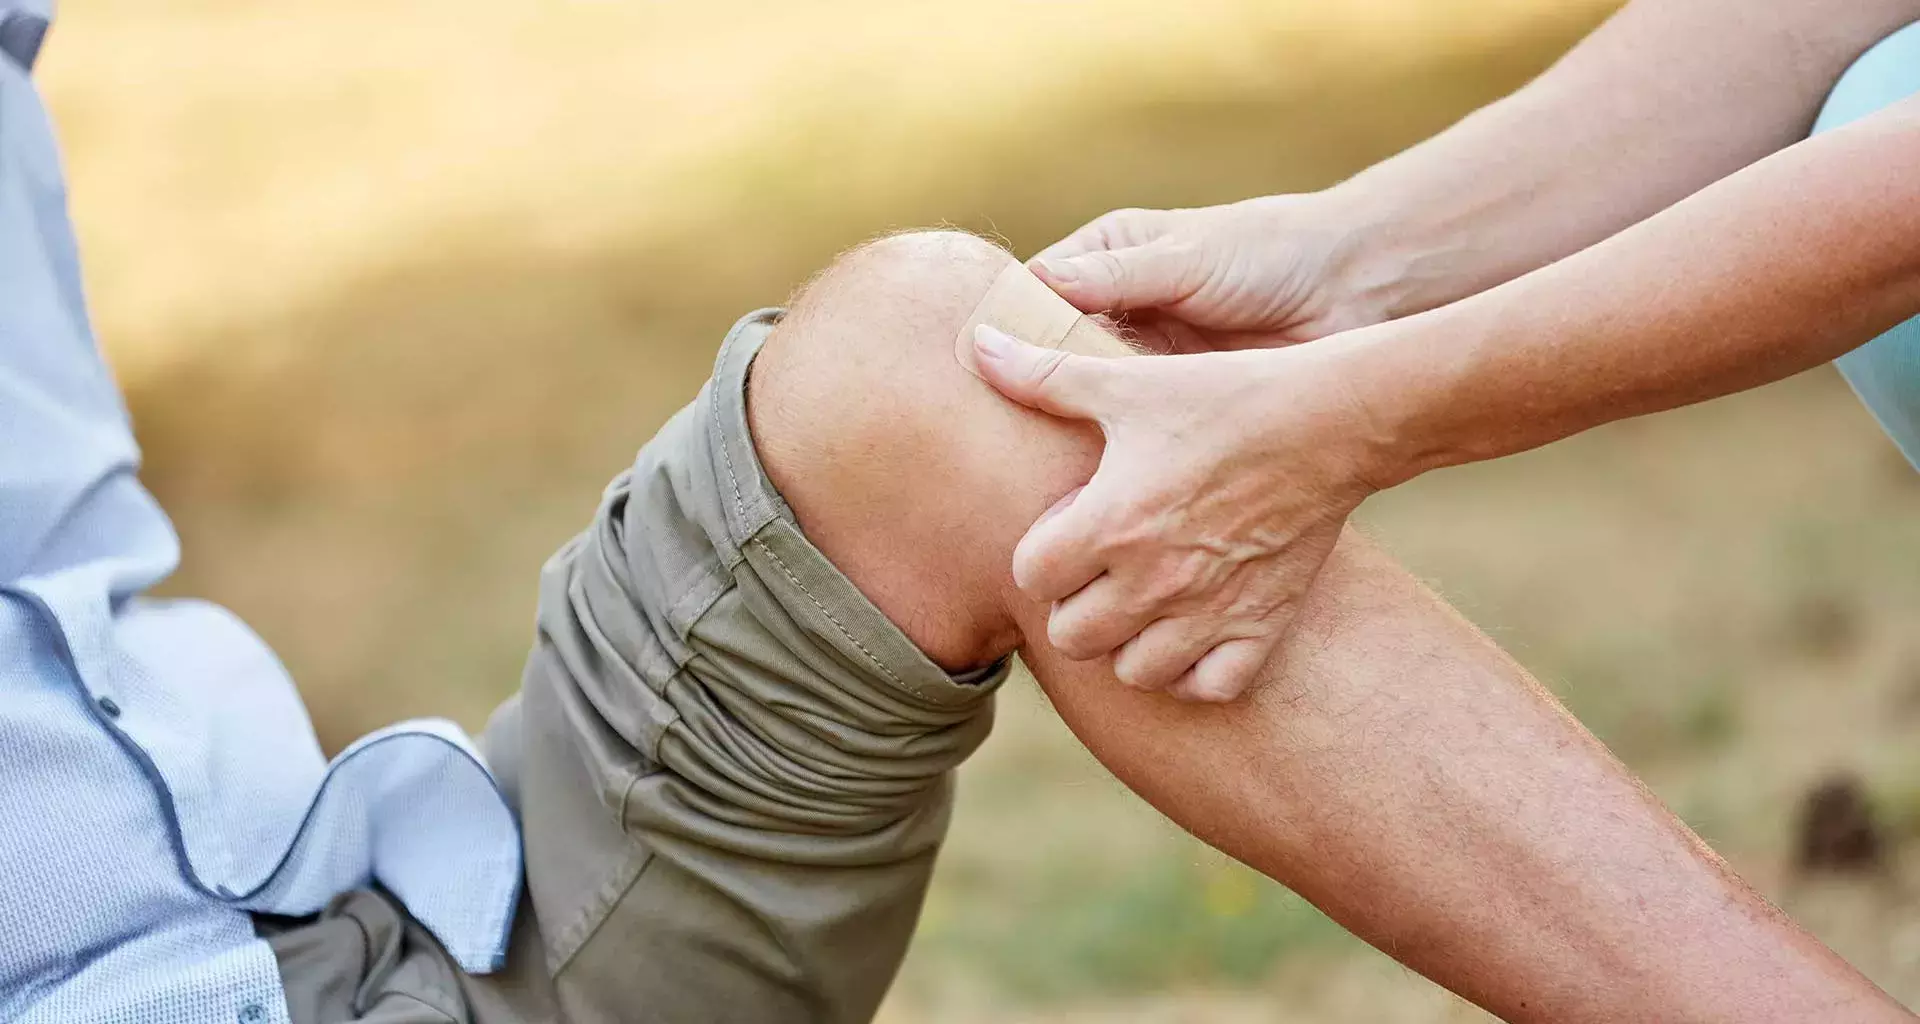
x,y
991,342
1060,270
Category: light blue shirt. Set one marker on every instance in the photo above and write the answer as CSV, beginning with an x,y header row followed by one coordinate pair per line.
x,y
159,779
1884,372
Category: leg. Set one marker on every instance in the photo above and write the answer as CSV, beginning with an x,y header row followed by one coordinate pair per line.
x,y
1885,372
732,770
1396,768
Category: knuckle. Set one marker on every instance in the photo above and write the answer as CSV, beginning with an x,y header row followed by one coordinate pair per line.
x,y
1113,268
1045,577
1163,588
1213,687
1141,677
1184,575
1068,636
1181,248
1045,366
1141,671
1128,529
1138,603
1128,218
1029,569
1131,675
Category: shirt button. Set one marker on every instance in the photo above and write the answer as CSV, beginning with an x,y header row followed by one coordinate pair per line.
x,y
252,1013
108,707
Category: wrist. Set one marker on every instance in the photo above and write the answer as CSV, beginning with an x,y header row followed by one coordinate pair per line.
x,y
1397,254
1370,268
1322,409
1406,416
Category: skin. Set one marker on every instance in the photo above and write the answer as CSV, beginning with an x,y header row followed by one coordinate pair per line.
x,y
1394,766
1747,256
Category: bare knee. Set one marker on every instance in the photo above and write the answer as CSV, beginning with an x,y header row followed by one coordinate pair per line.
x,y
913,477
870,326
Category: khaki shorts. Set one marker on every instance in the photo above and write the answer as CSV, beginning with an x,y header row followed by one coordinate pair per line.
x,y
733,772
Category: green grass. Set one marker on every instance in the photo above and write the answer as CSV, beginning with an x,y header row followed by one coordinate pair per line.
x,y
1182,919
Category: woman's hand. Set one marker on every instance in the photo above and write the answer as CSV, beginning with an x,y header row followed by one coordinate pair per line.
x,y
1227,476
1260,273
1225,482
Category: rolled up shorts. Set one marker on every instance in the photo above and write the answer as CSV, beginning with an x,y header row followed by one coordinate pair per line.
x,y
733,772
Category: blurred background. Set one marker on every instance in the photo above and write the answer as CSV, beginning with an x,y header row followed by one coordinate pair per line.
x,y
395,288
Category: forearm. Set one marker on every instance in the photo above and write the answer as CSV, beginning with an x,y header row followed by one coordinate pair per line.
x,y
1665,98
1407,777
1776,269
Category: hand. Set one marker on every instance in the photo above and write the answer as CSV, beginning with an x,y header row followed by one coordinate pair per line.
x,y
1225,482
1260,273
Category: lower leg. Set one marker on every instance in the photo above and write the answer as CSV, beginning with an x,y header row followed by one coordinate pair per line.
x,y
1395,768
1401,772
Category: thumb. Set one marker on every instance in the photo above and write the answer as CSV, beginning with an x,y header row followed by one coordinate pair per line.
x,y
1159,273
1049,380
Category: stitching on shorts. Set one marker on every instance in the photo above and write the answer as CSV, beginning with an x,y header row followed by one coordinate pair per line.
x,y
877,663
726,457
724,585
591,918
712,584
726,454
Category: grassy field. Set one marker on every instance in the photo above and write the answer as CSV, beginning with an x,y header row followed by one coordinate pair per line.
x,y
395,288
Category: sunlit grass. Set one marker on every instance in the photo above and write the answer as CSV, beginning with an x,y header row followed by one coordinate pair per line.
x,y
1182,918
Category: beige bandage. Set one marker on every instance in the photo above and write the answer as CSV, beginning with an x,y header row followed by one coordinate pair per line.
x,y
1022,305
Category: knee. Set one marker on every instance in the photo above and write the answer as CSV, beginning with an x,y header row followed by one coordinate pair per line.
x,y
911,475
1888,72
855,362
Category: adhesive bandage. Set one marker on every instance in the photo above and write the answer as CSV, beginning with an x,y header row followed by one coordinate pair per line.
x,y
1022,305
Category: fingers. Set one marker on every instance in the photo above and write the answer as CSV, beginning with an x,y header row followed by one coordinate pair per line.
x,y
1162,653
1160,273
1049,380
1225,672
1098,618
1115,229
1061,553
1186,656
1126,259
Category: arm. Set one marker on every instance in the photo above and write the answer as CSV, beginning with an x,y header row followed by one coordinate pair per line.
x,y
1778,268
1666,97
